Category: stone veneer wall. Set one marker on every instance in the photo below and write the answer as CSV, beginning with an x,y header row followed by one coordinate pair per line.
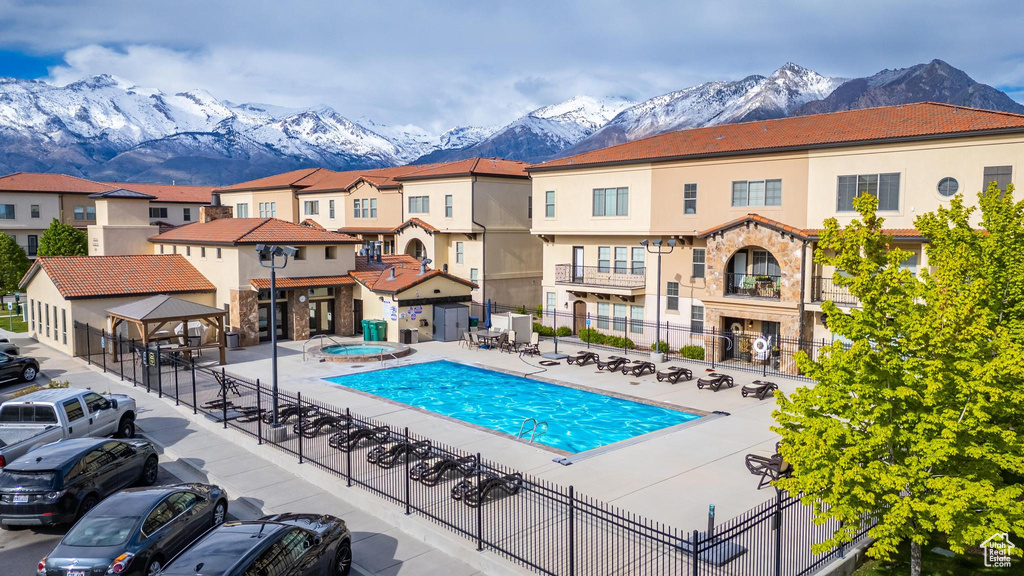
x,y
785,248
298,315
245,317
344,324
208,213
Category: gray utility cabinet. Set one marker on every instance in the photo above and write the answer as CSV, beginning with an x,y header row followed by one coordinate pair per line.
x,y
450,321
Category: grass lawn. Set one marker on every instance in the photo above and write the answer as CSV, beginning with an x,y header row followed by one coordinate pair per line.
x,y
5,322
935,565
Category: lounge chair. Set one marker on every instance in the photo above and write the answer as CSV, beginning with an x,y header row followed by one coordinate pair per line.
x,y
388,456
638,367
582,357
432,473
674,373
475,495
715,381
286,412
769,468
509,344
313,428
533,348
613,363
348,440
759,388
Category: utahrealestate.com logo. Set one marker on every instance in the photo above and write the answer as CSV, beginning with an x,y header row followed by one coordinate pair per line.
x,y
997,550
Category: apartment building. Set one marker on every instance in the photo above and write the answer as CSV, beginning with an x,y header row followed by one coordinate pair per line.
x,y
744,203
30,201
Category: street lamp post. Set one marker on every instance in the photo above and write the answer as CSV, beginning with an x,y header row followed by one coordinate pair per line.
x,y
268,259
647,244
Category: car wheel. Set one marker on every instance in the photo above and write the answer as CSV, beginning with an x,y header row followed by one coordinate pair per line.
x,y
220,513
29,373
155,565
343,559
87,504
149,472
126,429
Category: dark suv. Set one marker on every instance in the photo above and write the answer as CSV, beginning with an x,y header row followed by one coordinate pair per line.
x,y
60,482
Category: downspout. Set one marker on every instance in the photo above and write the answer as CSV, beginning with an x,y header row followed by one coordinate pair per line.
x,y
483,240
803,288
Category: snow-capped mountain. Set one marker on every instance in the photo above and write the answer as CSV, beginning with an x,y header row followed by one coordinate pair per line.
x,y
723,102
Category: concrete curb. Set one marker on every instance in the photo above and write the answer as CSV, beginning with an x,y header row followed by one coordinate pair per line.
x,y
846,565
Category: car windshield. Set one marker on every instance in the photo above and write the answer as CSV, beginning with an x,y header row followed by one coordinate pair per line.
x,y
38,480
101,531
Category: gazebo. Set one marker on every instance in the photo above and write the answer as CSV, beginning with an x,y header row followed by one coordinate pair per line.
x,y
159,318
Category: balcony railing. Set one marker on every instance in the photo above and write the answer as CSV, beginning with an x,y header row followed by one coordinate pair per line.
x,y
600,276
753,285
824,288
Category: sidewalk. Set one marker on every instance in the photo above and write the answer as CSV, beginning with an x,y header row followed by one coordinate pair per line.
x,y
264,481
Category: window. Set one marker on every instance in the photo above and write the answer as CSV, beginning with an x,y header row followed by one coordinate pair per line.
x,y
765,264
447,205
689,198
202,251
281,555
31,314
620,259
300,254
619,317
636,266
611,202
330,208
188,250
186,214
948,186
35,210
419,204
355,209
7,212
551,302
529,206
57,338
1001,175
329,252
549,204
94,402
39,314
64,325
603,313
33,244
697,318
47,311
373,207
636,319
268,209
174,248
474,275
672,296
218,253
885,187
311,207
698,262
242,210
604,258
80,213
459,256
159,518
154,212
73,410
910,263
161,248
757,193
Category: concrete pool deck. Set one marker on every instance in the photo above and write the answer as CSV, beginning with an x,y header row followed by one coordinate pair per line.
x,y
670,476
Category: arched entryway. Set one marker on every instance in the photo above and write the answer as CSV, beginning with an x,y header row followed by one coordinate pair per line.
x,y
416,249
753,272
579,316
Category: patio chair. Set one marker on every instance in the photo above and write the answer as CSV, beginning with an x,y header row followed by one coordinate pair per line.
x,y
348,440
432,473
612,364
466,340
509,344
748,284
674,373
769,468
759,388
387,456
715,381
533,348
638,367
475,495
227,384
500,341
582,357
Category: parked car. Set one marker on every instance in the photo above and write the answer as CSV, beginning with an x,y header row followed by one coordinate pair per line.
x,y
134,531
282,545
60,482
14,367
8,347
49,415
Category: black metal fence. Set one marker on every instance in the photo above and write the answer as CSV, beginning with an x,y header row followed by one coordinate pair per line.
x,y
548,528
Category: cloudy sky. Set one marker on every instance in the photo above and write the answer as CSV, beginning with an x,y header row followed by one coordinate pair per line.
x,y
441,63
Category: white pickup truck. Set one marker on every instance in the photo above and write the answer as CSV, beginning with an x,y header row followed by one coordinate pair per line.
x,y
50,415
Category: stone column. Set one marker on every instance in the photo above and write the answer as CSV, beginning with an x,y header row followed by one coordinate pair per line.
x,y
245,317
343,321
298,315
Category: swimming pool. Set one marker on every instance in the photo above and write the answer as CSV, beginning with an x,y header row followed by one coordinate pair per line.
x,y
356,350
578,420
359,352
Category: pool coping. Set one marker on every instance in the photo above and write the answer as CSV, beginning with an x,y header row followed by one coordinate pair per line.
x,y
567,457
398,350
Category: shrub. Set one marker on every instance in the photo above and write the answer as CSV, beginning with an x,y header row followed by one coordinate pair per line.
x,y
543,330
660,346
563,331
591,335
539,312
521,310
692,352
37,388
619,342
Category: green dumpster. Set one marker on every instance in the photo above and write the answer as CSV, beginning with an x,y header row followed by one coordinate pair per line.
x,y
366,330
380,330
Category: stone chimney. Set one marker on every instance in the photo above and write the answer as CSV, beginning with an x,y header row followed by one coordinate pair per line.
x,y
214,212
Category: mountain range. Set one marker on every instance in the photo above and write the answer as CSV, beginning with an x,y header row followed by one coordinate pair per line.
x,y
109,129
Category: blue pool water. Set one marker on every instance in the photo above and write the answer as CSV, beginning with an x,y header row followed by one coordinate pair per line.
x,y
356,350
578,420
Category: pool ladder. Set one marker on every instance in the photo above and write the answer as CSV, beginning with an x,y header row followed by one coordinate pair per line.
x,y
534,431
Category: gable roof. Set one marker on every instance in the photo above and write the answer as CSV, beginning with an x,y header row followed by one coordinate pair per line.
x,y
250,231
302,282
498,167
377,276
293,179
909,122
163,307
113,276
380,178
757,220
415,222
42,182
170,193
122,193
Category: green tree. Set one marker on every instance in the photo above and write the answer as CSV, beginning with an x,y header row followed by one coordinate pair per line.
x,y
63,240
917,421
13,264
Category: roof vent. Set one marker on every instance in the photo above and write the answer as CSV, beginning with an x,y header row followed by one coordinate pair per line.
x,y
391,273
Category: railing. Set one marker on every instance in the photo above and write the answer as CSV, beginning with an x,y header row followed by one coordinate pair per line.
x,y
599,276
753,285
824,288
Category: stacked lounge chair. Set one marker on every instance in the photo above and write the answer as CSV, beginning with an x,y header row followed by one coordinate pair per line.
x,y
490,483
432,473
388,456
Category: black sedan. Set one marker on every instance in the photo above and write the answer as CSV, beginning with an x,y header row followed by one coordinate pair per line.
x,y
282,545
18,368
134,531
60,482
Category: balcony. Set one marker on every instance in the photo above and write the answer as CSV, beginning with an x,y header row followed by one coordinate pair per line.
x,y
762,286
824,288
600,277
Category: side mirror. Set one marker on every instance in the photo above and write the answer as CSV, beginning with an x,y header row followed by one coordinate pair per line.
x,y
113,404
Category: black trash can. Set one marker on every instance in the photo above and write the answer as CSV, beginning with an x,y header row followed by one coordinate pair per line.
x,y
405,336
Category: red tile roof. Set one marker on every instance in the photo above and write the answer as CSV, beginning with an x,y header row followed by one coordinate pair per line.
x,y
303,282
415,222
312,224
848,128
757,219
63,183
294,179
115,276
169,193
365,230
470,167
386,260
250,231
377,278
378,177
898,233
